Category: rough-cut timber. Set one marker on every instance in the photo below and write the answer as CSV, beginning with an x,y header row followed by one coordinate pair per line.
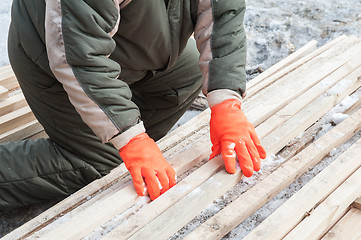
x,y
282,103
349,227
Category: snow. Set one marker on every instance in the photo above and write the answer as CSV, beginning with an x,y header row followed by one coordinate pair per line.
x,y
5,6
275,29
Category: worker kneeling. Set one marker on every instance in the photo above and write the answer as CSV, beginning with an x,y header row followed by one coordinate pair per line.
x,y
106,79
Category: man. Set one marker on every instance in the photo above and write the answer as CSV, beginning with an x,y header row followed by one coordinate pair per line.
x,y
108,78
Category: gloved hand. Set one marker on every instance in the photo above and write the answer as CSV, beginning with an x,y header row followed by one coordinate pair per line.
x,y
233,135
143,158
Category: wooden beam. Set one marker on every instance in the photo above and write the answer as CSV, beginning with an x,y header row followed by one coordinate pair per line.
x,y
302,141
305,53
357,203
4,93
311,113
285,218
15,119
24,131
8,79
354,107
310,95
12,103
287,65
334,207
349,227
249,202
275,97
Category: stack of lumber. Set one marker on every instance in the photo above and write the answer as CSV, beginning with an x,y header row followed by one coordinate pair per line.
x,y
285,104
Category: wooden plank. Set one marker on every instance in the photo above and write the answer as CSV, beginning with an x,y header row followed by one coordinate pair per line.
x,y
4,93
8,79
357,203
15,119
331,209
12,103
349,227
303,140
249,202
280,222
355,106
307,50
297,82
310,95
21,132
311,113
274,73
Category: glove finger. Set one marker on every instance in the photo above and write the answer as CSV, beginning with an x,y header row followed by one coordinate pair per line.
x,y
253,152
138,181
216,150
171,176
152,182
261,152
164,181
229,156
244,159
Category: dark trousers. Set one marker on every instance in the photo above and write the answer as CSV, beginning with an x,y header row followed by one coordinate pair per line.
x,y
32,171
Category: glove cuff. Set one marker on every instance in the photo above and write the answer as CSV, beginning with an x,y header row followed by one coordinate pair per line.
x,y
122,139
218,96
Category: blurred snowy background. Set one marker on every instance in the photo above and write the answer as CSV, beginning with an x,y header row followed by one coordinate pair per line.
x,y
275,29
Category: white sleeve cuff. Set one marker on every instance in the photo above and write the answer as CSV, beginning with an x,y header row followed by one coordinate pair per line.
x,y
122,139
218,96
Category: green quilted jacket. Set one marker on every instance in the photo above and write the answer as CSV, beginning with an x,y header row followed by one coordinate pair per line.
x,y
96,48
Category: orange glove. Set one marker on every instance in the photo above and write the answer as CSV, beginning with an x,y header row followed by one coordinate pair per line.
x,y
143,159
233,135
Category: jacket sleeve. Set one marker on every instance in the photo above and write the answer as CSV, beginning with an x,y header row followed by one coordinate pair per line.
x,y
79,43
221,41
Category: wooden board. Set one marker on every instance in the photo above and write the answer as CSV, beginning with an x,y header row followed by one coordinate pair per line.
x,y
349,227
8,79
4,93
331,209
292,211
